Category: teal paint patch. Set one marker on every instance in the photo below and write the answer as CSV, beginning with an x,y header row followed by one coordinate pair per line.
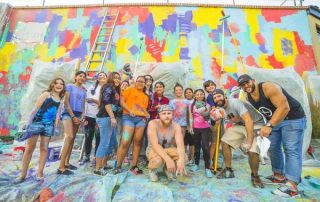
x,y
125,136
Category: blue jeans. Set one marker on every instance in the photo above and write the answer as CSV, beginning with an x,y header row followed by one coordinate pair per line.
x,y
106,132
289,134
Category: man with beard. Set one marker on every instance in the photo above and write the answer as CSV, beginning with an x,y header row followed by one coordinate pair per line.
x,y
245,119
285,127
166,147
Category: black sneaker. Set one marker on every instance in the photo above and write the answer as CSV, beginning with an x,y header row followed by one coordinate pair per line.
x,y
65,172
107,167
226,173
71,167
274,180
85,160
117,171
101,171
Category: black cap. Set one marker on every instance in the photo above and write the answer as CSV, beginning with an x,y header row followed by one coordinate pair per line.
x,y
217,91
243,78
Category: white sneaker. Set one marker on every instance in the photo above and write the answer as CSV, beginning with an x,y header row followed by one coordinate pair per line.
x,y
153,175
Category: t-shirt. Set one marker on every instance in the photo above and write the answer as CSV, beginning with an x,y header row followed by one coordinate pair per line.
x,y
210,100
112,97
180,111
199,121
136,101
237,108
91,107
77,97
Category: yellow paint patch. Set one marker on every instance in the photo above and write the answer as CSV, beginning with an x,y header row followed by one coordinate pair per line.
x,y
64,13
253,23
160,13
5,56
172,58
264,62
61,51
197,66
147,57
75,38
279,35
42,49
123,46
183,41
207,16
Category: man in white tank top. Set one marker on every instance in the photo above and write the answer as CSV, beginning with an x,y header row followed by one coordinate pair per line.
x,y
166,146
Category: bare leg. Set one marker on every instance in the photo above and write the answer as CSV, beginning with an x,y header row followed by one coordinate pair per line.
x,y
137,142
44,144
75,130
68,128
126,139
226,150
31,145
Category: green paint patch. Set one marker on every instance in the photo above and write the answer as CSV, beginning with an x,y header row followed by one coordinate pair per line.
x,y
125,136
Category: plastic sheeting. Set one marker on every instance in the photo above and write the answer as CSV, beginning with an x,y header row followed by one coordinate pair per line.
x,y
289,80
42,74
168,73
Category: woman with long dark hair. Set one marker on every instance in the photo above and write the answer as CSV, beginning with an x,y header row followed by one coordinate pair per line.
x,y
92,108
107,120
134,103
72,116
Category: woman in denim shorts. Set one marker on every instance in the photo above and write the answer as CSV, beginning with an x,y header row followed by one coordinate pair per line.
x,y
43,120
134,103
72,116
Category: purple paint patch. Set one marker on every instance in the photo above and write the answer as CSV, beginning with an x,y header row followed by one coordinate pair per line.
x,y
62,37
80,52
9,37
286,46
147,27
53,28
215,35
41,16
184,52
263,49
170,24
185,22
133,49
94,20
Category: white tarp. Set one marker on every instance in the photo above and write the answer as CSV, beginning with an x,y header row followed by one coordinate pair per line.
x,y
42,74
289,80
168,73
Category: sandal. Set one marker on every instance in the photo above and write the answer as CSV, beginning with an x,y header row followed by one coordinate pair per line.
x,y
226,173
71,167
65,172
256,181
18,180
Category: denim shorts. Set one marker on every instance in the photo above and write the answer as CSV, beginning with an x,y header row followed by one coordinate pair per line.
x,y
66,115
136,121
43,129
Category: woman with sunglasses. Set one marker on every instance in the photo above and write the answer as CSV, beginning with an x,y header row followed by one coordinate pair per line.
x,y
134,103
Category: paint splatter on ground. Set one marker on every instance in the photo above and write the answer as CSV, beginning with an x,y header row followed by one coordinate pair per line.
x,y
85,186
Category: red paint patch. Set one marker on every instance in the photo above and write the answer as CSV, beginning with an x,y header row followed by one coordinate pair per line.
x,y
274,15
234,28
216,68
304,63
250,61
230,82
72,13
4,131
93,35
299,42
261,40
155,49
274,63
3,77
68,37
141,12
87,11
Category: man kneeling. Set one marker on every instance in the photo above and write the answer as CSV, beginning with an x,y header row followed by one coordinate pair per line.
x,y
244,120
166,147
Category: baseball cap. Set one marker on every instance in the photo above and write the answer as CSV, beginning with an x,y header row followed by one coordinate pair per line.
x,y
243,78
164,108
217,91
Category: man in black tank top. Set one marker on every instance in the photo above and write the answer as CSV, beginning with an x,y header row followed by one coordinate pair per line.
x,y
286,125
166,146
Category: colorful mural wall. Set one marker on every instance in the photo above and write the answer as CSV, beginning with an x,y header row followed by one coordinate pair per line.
x,y
266,38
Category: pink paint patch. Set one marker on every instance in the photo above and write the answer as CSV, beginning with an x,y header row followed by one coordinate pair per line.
x,y
251,61
207,194
216,68
304,63
72,13
234,28
274,63
261,40
154,48
230,82
275,15
4,131
93,35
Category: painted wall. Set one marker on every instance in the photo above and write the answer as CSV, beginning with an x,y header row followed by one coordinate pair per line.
x,y
313,23
267,38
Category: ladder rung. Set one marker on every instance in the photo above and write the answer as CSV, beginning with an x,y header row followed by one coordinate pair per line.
x,y
98,51
103,42
96,61
111,15
107,27
108,20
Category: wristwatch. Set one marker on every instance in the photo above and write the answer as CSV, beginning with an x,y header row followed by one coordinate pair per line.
x,y
269,125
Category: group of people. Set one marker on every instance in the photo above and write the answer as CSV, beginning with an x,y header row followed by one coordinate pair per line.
x,y
140,114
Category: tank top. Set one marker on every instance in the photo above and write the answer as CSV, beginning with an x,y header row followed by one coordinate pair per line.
x,y
167,141
265,106
47,112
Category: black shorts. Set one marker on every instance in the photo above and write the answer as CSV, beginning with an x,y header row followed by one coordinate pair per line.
x,y
188,140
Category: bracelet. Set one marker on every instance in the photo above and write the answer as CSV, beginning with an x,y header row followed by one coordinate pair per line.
x,y
73,116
